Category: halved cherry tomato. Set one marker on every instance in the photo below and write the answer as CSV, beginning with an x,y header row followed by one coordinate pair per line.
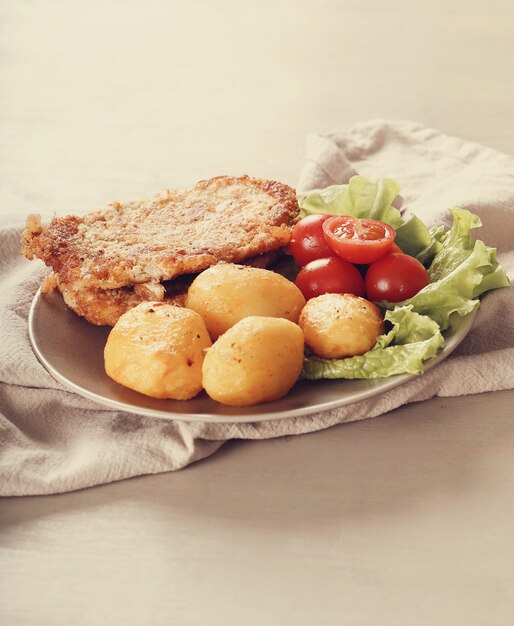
x,y
308,241
329,275
358,240
395,277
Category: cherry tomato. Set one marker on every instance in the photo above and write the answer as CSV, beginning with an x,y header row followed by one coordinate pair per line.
x,y
358,240
395,277
395,248
308,241
329,275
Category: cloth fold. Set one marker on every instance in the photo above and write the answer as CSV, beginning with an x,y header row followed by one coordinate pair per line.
x,y
52,440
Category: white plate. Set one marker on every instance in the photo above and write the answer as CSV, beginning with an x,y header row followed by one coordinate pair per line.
x,y
71,349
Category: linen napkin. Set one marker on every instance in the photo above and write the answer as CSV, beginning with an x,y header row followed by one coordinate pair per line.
x,y
52,440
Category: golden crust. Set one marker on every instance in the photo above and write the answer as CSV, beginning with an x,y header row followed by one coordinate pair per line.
x,y
103,307
177,232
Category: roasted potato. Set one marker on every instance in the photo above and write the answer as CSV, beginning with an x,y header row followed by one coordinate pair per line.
x,y
158,350
340,325
227,293
257,360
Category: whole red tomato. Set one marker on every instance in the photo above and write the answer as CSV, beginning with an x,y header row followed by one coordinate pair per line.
x,y
308,241
395,277
329,275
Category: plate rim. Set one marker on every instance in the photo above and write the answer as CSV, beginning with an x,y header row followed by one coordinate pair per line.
x,y
389,383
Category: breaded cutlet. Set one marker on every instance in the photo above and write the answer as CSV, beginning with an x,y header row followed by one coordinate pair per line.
x,y
108,261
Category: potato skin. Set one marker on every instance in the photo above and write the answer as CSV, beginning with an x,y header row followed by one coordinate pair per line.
x,y
158,350
257,360
226,293
340,325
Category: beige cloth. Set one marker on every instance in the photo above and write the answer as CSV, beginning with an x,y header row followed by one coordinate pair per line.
x,y
52,440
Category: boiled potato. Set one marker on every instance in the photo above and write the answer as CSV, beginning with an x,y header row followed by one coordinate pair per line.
x,y
226,293
340,325
158,349
257,360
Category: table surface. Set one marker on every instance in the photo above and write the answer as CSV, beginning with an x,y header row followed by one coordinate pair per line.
x,y
405,519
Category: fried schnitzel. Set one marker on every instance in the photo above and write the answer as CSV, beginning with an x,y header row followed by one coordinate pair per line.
x,y
108,261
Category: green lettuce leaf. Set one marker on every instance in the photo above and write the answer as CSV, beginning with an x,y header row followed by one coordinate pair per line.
x,y
412,340
456,244
461,271
426,256
361,197
328,201
413,236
